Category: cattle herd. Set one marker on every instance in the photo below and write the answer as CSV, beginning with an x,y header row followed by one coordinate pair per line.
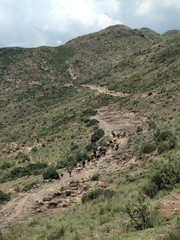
x,y
101,151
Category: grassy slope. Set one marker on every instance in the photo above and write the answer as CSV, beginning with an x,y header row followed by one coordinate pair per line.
x,y
37,109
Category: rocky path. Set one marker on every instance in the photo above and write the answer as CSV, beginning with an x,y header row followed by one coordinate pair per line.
x,y
24,206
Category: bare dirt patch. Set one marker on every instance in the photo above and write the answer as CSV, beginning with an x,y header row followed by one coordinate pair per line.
x,y
104,90
26,206
170,206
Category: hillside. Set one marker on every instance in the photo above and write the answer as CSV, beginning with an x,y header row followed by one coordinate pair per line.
x,y
58,104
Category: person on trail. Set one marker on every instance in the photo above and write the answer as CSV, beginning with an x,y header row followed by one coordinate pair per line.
x,y
118,135
88,160
95,151
113,133
83,163
69,171
91,155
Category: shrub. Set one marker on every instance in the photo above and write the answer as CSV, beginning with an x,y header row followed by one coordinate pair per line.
x,y
89,112
148,147
170,236
92,122
68,193
4,197
139,129
99,133
95,177
162,135
5,165
29,186
166,174
165,139
34,150
90,147
150,189
61,164
50,173
22,157
20,172
74,147
80,156
152,125
98,193
37,166
57,233
141,212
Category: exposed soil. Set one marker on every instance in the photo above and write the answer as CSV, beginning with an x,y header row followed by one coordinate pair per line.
x,y
49,199
26,206
170,206
104,90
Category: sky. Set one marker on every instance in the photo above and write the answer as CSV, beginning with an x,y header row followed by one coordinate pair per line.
x,y
33,23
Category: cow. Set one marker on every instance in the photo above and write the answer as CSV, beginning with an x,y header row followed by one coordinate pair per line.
x,y
93,163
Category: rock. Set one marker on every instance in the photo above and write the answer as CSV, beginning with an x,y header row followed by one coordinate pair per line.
x,y
65,205
57,194
54,203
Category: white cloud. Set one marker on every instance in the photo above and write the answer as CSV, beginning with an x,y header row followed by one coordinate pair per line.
x,y
105,21
31,23
144,7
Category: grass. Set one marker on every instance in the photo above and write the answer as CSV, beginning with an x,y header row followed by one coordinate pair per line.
x,y
42,120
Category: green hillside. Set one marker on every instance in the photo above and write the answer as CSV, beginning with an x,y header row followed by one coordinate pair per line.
x,y
46,121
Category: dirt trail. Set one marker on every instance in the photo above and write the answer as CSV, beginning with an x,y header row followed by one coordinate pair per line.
x,y
104,90
110,118
25,205
29,205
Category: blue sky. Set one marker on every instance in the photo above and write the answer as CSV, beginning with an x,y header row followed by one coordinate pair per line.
x,y
33,23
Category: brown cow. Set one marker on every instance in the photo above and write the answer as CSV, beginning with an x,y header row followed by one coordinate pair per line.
x,y
78,167
91,155
112,145
93,163
107,144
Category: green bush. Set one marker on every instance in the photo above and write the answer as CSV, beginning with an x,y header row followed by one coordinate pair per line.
x,y
152,125
80,156
166,173
50,173
150,189
74,147
90,147
4,197
170,236
95,177
37,166
5,165
22,157
165,139
98,193
92,122
148,147
163,135
19,172
34,150
139,129
89,112
142,214
29,186
57,233
99,133
61,164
